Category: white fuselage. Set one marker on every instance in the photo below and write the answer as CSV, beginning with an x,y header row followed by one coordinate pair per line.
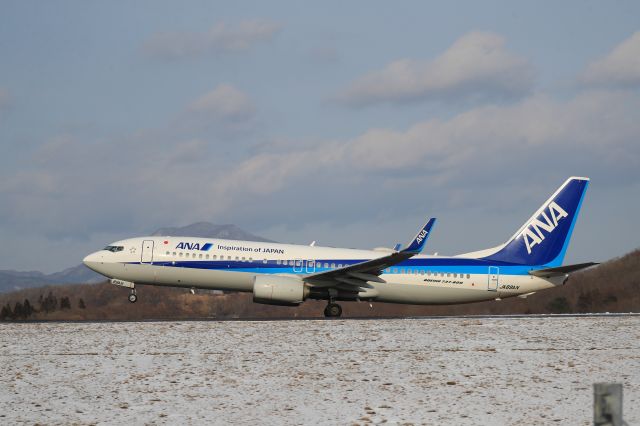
x,y
233,265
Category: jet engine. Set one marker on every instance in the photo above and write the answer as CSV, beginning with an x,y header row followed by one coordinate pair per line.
x,y
279,290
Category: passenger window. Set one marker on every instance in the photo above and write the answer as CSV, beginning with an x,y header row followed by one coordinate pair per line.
x,y
214,257
326,265
237,258
228,257
264,261
243,258
180,254
174,253
468,276
333,265
200,256
207,256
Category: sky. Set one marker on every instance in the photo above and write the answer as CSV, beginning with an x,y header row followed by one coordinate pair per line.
x,y
347,123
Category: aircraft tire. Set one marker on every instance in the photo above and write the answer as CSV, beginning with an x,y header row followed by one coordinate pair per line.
x,y
333,310
133,298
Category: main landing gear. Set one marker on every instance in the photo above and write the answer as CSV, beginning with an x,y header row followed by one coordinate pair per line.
x,y
333,310
133,298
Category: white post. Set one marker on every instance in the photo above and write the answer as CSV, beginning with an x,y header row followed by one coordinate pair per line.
x,y
607,404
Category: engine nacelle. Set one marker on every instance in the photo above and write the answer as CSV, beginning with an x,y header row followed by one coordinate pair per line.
x,y
279,290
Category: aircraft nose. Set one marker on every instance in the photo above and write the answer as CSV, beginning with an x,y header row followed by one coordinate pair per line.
x,y
93,261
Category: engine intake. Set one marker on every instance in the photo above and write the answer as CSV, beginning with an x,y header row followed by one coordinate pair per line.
x,y
279,290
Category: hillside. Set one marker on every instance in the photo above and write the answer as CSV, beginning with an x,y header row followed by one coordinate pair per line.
x,y
611,287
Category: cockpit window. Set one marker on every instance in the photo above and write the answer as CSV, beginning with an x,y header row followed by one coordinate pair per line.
x,y
114,248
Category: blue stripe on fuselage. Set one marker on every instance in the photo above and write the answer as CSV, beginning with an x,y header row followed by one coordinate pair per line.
x,y
440,265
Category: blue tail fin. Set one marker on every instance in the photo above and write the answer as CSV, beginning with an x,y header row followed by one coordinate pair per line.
x,y
544,238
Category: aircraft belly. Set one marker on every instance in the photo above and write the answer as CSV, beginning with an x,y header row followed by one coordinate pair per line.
x,y
189,277
429,295
207,278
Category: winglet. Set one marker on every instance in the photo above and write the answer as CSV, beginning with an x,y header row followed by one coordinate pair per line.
x,y
419,241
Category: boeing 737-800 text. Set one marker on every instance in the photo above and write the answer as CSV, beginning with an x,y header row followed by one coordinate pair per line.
x,y
285,274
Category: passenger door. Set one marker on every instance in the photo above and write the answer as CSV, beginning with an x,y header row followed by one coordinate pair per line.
x,y
147,252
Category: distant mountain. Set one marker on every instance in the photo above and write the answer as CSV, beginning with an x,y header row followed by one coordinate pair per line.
x,y
209,230
15,280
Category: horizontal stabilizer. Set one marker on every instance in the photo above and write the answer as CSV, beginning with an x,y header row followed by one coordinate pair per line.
x,y
561,270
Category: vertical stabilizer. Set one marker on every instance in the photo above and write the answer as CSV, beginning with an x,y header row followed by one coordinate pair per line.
x,y
544,238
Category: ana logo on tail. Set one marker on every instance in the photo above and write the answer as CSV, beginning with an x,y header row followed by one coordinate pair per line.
x,y
533,234
421,236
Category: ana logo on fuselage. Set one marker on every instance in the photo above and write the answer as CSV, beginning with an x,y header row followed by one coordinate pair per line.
x,y
194,246
533,234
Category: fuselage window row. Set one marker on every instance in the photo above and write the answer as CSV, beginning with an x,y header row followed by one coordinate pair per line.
x,y
313,264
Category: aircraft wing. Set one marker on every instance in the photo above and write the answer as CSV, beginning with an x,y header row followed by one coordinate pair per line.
x,y
354,277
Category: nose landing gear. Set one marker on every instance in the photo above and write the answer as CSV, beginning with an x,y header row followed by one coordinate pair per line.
x,y
133,298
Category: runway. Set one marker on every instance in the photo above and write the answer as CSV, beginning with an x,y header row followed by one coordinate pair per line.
x,y
458,371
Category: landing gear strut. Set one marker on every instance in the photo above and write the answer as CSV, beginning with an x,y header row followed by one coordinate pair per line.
x,y
332,310
133,298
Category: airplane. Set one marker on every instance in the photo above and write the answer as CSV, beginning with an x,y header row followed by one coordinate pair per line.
x,y
287,274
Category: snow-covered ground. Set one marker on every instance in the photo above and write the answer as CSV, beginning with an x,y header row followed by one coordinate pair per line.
x,y
525,371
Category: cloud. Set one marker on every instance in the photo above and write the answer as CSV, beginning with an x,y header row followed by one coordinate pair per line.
x,y
476,65
596,132
223,103
222,37
72,189
621,67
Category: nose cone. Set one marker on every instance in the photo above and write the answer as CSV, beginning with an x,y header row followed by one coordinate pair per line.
x,y
93,261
